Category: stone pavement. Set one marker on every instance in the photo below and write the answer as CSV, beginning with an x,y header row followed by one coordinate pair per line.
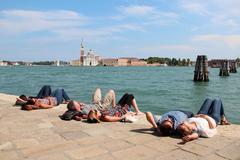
x,y
41,135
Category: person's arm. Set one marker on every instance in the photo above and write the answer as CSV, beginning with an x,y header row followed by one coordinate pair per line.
x,y
45,106
111,118
20,101
135,106
77,118
191,137
210,123
209,132
151,120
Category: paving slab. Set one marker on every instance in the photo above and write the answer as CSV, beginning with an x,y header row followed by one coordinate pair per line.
x,y
42,135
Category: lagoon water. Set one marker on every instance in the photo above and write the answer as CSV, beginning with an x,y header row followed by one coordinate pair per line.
x,y
157,89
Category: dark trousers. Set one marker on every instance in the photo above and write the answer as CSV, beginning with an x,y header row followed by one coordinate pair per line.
x,y
45,91
61,95
188,113
213,108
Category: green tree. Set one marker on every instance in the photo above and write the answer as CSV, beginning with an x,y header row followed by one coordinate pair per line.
x,y
188,62
184,62
174,61
238,61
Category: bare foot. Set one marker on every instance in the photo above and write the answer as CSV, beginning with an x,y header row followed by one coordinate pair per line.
x,y
140,113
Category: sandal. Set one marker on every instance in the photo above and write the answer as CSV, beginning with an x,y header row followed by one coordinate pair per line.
x,y
225,122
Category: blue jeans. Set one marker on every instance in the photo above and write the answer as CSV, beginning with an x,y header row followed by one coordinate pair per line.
x,y
45,91
213,108
61,95
188,113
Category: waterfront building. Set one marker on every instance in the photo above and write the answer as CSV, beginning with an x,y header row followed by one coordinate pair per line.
x,y
89,59
137,62
3,63
109,62
123,61
75,62
15,64
217,63
164,65
131,61
57,63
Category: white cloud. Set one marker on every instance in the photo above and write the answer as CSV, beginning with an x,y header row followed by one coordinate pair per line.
x,y
60,25
230,41
137,10
163,48
217,46
178,50
22,21
194,7
144,15
220,13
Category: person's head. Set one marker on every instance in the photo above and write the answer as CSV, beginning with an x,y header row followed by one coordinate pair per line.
x,y
166,127
74,106
93,116
29,105
23,97
184,129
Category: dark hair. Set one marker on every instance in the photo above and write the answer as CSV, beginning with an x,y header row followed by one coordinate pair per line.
x,y
180,130
70,106
183,131
26,106
165,130
30,101
126,99
23,97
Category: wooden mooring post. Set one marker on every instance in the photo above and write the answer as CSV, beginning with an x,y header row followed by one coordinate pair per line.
x,y
233,67
224,69
201,69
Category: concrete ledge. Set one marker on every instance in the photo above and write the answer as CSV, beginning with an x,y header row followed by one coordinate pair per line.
x,y
41,135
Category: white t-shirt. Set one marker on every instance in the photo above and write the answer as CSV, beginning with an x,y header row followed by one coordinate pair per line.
x,y
203,126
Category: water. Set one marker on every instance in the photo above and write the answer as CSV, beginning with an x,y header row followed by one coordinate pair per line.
x,y
157,89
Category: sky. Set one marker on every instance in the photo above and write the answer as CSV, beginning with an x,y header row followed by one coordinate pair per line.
x,y
33,30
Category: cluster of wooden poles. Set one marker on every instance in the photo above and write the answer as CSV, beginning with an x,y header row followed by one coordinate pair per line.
x,y
201,68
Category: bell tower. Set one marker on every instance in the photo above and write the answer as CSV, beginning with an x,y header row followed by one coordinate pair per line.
x,y
81,52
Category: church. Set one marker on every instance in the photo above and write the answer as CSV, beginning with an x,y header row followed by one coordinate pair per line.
x,y
89,59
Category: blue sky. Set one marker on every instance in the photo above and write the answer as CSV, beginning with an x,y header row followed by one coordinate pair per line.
x,y
33,30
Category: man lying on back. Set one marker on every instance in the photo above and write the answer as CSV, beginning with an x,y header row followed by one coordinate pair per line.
x,y
167,124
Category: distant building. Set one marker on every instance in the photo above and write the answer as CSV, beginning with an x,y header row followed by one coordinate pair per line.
x,y
123,62
131,61
3,63
164,65
109,62
57,63
15,64
137,62
217,63
90,59
76,62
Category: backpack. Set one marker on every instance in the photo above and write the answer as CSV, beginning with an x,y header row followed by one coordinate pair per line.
x,y
68,115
